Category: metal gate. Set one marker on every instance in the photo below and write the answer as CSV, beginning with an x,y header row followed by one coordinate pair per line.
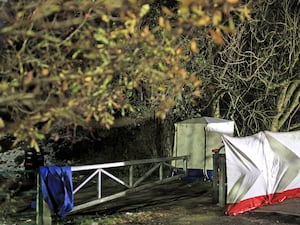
x,y
159,171
161,165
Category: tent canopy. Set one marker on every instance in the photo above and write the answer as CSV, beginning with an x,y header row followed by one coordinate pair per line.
x,y
261,169
211,124
197,137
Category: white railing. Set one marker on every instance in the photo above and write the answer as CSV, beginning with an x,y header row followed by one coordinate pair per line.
x,y
131,184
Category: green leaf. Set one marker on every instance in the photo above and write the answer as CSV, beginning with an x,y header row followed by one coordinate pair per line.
x,y
100,36
144,10
2,124
34,145
39,136
76,54
231,24
106,81
76,88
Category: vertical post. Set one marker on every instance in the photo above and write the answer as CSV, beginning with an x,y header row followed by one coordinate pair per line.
x,y
185,166
99,183
161,172
43,213
215,177
131,176
39,213
222,186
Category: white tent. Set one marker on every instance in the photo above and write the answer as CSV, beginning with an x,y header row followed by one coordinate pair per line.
x,y
197,137
261,169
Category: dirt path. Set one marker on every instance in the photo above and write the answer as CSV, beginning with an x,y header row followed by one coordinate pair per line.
x,y
179,203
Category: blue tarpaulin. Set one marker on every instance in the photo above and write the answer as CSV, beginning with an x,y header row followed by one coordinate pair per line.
x,y
57,189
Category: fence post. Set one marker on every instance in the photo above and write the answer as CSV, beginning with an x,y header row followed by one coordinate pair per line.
x,y
99,183
219,178
222,182
43,213
185,169
131,176
161,172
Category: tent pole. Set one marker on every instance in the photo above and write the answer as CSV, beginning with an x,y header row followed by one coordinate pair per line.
x,y
215,177
204,156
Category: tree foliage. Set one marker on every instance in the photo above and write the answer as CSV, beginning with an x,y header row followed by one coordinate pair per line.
x,y
255,79
87,62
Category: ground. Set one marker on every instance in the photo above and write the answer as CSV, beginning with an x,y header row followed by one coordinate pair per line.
x,y
177,203
182,202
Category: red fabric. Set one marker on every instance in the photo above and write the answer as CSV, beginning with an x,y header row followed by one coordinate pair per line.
x,y
234,209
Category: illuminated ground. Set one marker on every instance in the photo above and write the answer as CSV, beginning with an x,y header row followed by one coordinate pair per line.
x,y
177,203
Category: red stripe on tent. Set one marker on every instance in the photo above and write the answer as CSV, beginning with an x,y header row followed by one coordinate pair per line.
x,y
234,209
279,197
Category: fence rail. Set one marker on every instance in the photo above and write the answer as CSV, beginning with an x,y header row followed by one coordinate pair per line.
x,y
133,183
